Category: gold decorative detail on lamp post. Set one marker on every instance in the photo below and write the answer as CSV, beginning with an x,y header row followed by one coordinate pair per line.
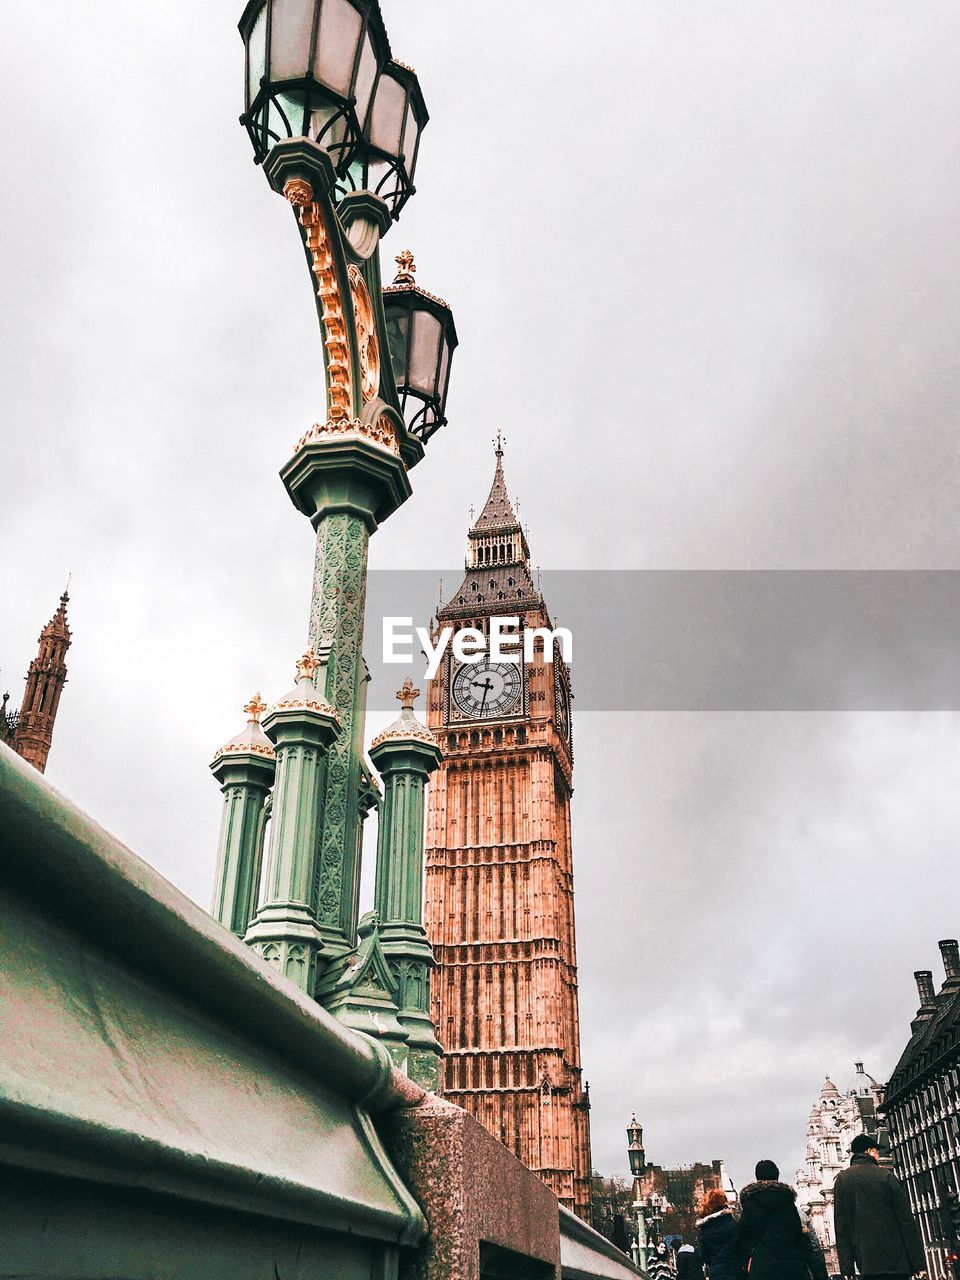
x,y
368,349
381,432
307,665
255,707
407,694
298,191
340,400
407,267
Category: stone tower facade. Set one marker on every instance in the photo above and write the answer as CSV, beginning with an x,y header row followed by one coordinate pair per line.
x,y
499,873
835,1120
30,732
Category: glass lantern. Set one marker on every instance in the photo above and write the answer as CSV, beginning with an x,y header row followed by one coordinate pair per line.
x,y
421,337
311,68
635,1147
386,158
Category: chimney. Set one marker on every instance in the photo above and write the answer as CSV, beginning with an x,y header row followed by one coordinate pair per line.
x,y
928,1000
925,989
950,950
859,1068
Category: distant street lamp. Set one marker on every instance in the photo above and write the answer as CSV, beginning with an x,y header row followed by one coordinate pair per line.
x,y
635,1154
635,1147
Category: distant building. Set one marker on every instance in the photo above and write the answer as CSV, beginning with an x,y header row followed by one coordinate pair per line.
x,y
676,1195
922,1106
835,1120
29,731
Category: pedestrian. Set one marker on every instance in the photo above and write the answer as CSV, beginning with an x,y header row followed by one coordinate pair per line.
x,y
871,1213
659,1268
718,1237
689,1264
771,1233
816,1262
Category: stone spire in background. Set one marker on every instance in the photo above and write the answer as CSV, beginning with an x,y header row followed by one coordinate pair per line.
x,y
33,733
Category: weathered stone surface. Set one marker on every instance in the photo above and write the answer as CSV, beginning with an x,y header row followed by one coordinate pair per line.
x,y
478,1198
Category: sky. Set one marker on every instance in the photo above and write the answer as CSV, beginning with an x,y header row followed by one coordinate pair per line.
x,y
703,261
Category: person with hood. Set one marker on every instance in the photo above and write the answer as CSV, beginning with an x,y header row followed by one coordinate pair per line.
x,y
771,1232
689,1264
718,1236
659,1268
872,1220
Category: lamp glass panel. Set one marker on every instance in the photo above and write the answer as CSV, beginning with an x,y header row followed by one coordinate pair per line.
x,y
379,174
291,24
387,120
366,78
409,137
335,134
337,39
257,54
423,353
444,367
398,326
291,104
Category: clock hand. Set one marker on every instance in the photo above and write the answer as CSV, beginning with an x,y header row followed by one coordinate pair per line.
x,y
486,685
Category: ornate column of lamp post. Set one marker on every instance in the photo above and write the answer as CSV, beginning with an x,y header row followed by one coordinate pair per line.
x,y
301,727
406,753
635,1153
245,768
336,124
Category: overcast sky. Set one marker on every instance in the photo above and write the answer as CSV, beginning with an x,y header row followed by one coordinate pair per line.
x,y
703,260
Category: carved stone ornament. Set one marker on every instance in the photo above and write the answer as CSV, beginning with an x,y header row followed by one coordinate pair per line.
x,y
381,432
368,348
298,191
245,749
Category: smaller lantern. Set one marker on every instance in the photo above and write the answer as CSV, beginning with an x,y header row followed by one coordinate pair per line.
x,y
635,1147
421,337
310,72
385,160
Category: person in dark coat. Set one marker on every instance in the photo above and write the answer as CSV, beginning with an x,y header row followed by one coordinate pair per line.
x,y
689,1264
771,1232
718,1237
872,1220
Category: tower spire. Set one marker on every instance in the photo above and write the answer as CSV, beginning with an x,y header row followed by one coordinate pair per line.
x,y
46,677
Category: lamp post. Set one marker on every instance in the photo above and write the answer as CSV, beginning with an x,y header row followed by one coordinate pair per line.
x,y
635,1154
335,121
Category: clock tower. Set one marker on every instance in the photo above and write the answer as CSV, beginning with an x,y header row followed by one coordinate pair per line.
x,y
499,871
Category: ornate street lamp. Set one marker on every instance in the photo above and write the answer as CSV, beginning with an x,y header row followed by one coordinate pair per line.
x,y
336,124
385,159
637,1160
421,337
311,70
635,1147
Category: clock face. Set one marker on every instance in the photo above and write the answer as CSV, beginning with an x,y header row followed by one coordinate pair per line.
x,y
563,709
485,690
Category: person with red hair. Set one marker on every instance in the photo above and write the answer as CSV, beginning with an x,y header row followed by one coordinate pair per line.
x,y
718,1237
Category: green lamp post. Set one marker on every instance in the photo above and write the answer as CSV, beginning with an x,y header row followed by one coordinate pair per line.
x,y
336,123
301,727
245,768
406,753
